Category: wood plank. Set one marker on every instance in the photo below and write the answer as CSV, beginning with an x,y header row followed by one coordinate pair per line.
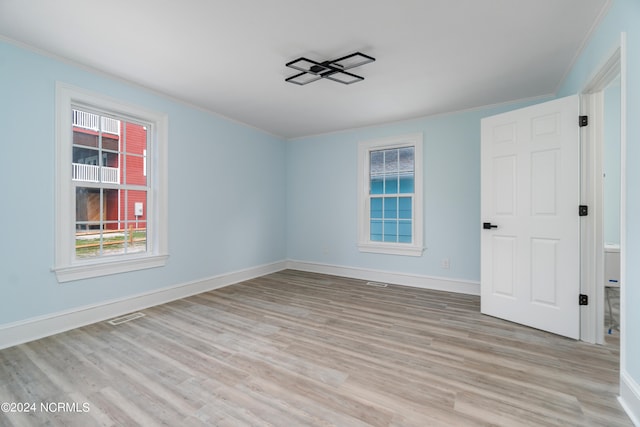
x,y
298,349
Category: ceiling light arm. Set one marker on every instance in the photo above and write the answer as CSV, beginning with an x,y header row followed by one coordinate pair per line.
x,y
334,70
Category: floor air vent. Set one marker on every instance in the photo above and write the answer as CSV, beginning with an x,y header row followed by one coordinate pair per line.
x,y
377,284
127,318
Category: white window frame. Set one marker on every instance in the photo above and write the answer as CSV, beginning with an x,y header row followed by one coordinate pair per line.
x,y
365,244
66,266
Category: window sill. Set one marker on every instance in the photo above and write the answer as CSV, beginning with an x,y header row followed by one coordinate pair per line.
x,y
104,268
391,249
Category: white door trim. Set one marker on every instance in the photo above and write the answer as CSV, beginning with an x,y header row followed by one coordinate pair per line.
x,y
592,245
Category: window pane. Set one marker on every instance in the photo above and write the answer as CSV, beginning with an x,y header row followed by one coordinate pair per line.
x,y
376,207
85,138
85,165
404,208
407,169
115,226
376,185
111,206
110,142
88,244
135,147
376,162
406,159
97,225
391,184
89,216
376,230
135,207
112,237
390,161
395,167
404,232
136,138
390,231
406,183
390,208
110,159
135,170
139,238
85,156
136,217
376,172
88,208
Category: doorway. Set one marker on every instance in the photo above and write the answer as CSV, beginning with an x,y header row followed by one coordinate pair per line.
x,y
602,191
611,207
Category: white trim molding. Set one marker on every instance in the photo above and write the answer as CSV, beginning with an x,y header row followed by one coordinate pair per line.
x,y
39,327
592,328
365,244
459,286
629,388
630,397
66,266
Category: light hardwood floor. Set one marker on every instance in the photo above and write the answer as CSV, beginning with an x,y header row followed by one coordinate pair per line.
x,y
302,349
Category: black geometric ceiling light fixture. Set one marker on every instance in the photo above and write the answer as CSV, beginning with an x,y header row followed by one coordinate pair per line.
x,y
333,70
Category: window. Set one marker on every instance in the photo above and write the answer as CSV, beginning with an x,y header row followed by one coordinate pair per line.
x,y
390,195
111,186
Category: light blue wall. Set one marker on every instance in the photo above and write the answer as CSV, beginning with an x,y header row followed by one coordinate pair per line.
x,y
234,192
611,163
226,192
624,16
322,192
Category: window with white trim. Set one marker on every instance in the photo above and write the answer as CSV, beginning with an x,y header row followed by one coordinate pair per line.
x,y
390,195
111,186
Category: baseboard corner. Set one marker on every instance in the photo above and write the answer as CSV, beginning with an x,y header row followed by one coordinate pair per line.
x,y
630,397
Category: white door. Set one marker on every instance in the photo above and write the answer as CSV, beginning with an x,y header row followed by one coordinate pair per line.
x,y
530,237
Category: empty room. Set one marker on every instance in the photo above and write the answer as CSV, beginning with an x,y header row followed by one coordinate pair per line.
x,y
338,213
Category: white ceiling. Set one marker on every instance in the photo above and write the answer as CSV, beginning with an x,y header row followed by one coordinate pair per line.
x,y
228,56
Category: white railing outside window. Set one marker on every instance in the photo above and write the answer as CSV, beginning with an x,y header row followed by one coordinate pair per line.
x,y
93,122
86,120
92,173
110,125
110,175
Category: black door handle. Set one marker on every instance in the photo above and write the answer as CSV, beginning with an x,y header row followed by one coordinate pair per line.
x,y
488,226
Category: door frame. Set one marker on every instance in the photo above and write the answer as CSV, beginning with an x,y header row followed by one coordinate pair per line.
x,y
592,229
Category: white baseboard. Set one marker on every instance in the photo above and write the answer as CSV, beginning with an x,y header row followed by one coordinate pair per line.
x,y
414,280
630,397
39,327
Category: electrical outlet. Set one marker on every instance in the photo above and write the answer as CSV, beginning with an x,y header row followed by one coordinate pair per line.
x,y
445,263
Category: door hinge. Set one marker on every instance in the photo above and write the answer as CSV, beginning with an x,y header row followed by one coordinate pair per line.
x,y
583,210
583,121
583,299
